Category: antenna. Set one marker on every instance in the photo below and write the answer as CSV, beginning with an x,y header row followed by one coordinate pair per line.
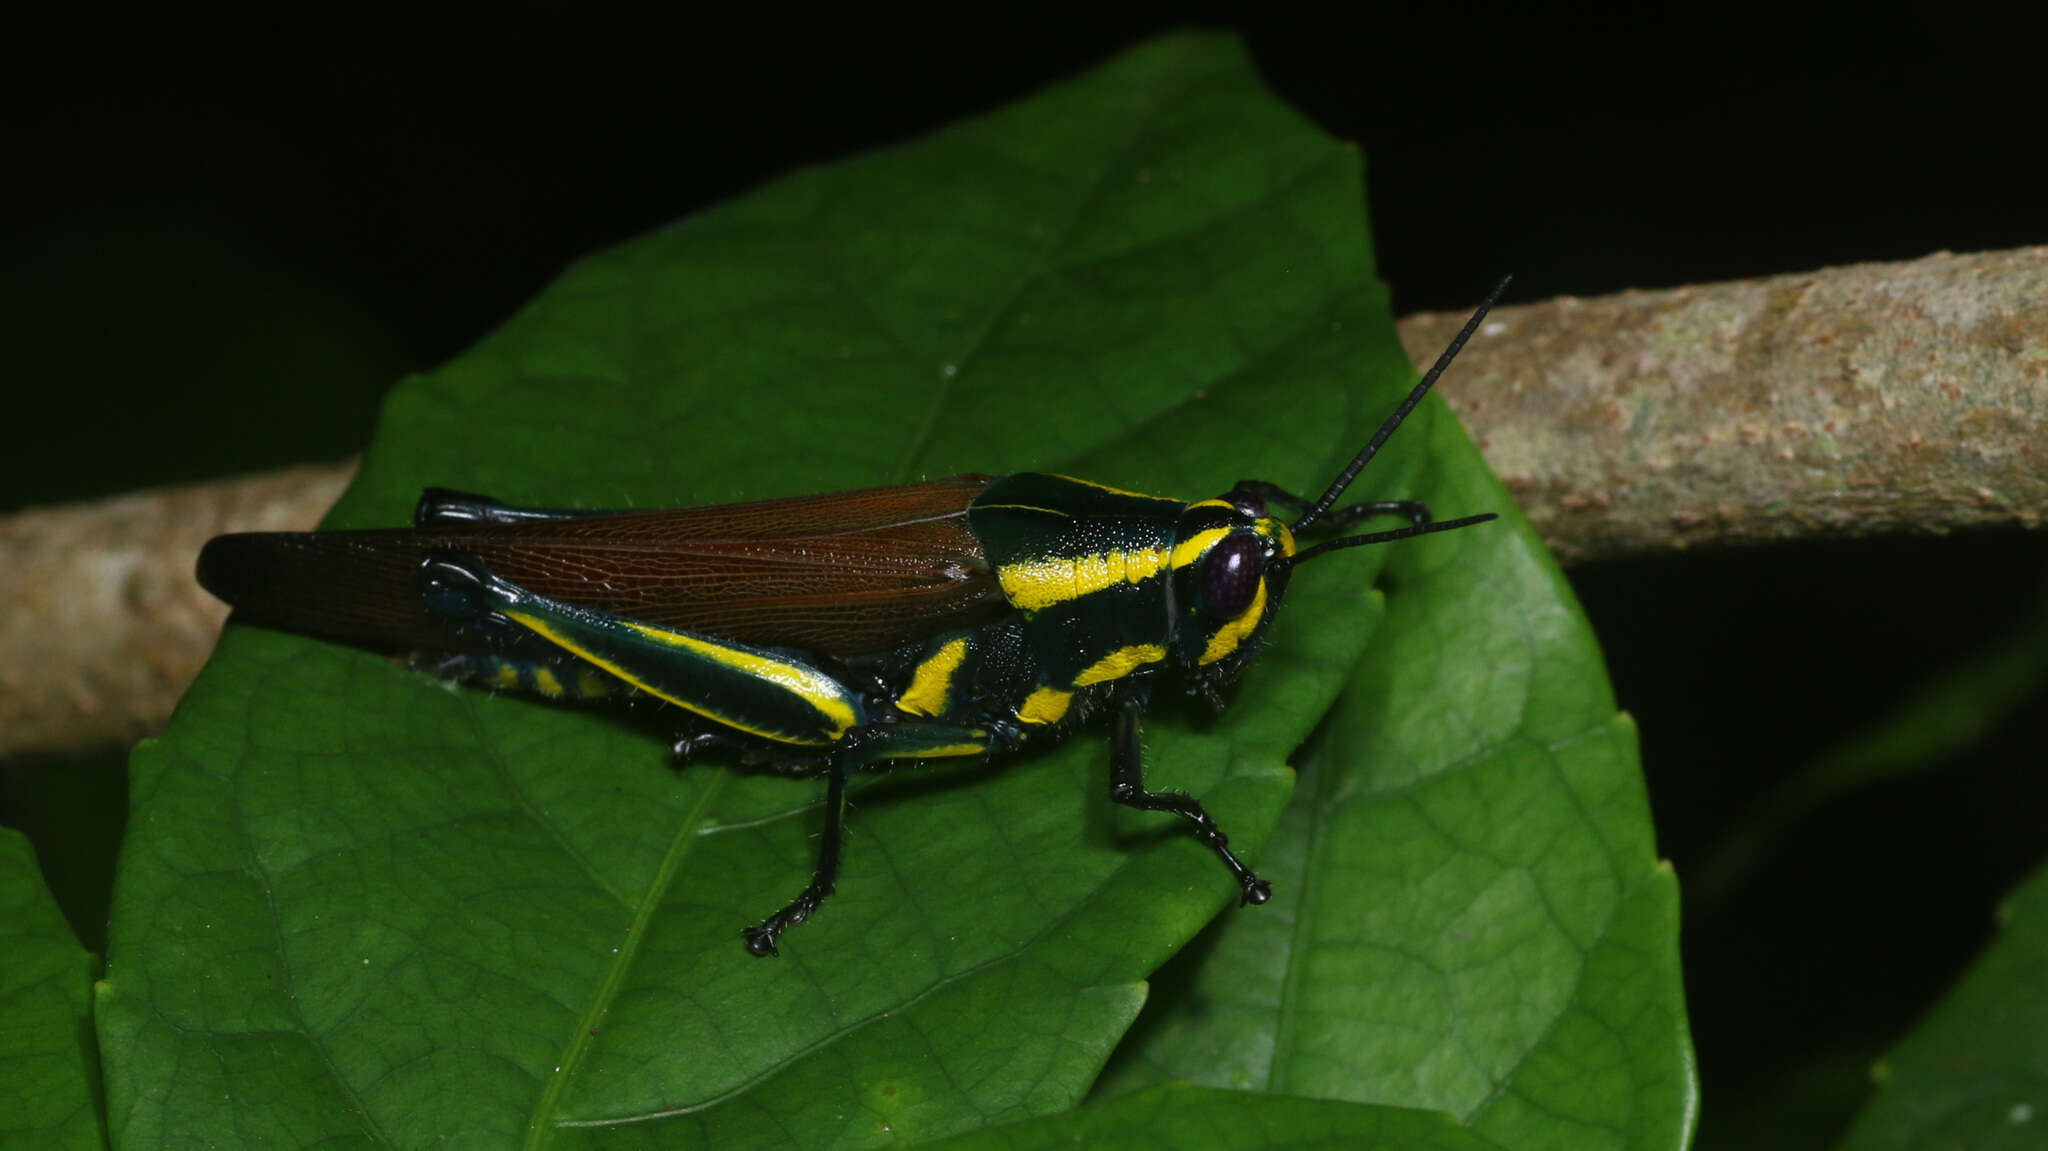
x,y
1372,446
1388,536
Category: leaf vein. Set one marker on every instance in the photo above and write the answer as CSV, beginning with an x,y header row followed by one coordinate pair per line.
x,y
579,1041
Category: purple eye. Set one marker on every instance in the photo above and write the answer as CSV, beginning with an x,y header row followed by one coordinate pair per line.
x,y
1230,574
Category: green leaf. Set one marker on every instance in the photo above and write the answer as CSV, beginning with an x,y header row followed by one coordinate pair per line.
x,y
1184,1118
358,907
1974,1073
48,1064
1472,915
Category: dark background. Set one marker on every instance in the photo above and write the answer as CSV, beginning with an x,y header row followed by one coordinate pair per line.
x,y
226,242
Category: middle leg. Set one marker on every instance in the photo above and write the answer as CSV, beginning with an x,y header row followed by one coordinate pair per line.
x,y
761,938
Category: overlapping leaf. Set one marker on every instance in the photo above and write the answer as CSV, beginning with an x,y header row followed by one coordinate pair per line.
x,y
361,908
1974,1073
49,1068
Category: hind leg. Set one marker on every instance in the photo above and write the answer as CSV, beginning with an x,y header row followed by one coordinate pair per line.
x,y
446,507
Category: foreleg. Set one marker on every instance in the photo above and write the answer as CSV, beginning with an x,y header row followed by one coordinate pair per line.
x,y
1414,511
1127,787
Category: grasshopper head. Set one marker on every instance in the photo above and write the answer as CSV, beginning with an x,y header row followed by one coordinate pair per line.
x,y
1231,559
1230,567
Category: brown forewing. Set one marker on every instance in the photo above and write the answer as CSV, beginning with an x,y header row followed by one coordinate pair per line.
x,y
843,574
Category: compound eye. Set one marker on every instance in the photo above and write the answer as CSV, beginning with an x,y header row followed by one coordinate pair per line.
x,y
1230,574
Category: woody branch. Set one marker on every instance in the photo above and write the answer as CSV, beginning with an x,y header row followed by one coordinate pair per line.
x,y
1872,399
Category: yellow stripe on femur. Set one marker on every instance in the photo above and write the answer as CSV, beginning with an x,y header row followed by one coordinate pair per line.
x,y
1037,584
1230,635
814,687
932,682
1120,663
1046,705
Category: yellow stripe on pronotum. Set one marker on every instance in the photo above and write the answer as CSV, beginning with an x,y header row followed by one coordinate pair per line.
x,y
1039,584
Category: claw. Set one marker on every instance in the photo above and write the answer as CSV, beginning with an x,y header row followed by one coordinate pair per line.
x,y
760,942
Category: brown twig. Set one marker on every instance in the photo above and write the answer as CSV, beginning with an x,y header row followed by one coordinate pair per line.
x,y
1854,401
1864,400
104,626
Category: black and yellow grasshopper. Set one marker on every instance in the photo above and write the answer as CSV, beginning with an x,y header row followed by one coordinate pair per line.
x,y
822,634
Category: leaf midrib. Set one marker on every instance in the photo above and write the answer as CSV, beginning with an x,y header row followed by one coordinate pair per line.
x,y
539,1124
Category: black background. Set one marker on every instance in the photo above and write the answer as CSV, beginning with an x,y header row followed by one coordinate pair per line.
x,y
227,240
